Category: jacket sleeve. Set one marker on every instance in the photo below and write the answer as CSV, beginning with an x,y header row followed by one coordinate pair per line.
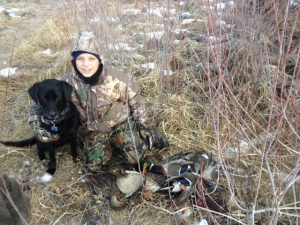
x,y
34,119
75,99
136,103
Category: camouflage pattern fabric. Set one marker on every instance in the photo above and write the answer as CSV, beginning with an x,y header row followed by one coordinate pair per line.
x,y
95,151
86,41
34,120
123,142
128,142
109,102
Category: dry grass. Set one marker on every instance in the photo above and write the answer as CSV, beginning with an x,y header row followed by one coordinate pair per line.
x,y
238,99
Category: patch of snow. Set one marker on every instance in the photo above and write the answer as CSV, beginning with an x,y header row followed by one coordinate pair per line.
x,y
48,51
155,35
173,11
95,19
223,23
220,6
120,46
13,15
161,12
168,73
244,146
138,35
294,4
216,40
26,163
213,38
187,213
188,21
149,65
120,27
230,4
98,19
186,15
176,42
14,10
11,12
155,25
140,46
111,19
182,3
8,71
156,12
201,222
45,178
178,31
132,11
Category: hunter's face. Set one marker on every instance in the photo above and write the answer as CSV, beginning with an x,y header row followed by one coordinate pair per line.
x,y
87,64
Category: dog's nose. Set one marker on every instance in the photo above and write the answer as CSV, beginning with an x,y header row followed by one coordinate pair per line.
x,y
52,115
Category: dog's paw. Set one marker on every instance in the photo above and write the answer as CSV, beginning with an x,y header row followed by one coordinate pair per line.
x,y
45,178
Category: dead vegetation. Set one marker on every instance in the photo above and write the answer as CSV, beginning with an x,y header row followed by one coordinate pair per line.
x,y
234,91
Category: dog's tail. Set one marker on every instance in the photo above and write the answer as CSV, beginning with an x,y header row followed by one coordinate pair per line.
x,y
24,143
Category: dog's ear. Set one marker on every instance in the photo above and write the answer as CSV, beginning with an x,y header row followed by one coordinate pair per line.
x,y
67,89
33,91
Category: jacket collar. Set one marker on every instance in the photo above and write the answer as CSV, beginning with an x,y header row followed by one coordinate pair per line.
x,y
101,78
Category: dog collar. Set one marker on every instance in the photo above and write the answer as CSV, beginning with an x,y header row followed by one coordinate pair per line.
x,y
54,128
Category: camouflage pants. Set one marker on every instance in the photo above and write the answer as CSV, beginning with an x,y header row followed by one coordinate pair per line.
x,y
125,142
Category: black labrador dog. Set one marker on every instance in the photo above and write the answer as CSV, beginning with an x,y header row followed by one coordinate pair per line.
x,y
58,116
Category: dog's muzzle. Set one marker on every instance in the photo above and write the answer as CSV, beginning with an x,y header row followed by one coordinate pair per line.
x,y
55,120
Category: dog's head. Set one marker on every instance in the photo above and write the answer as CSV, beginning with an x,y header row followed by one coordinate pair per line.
x,y
53,96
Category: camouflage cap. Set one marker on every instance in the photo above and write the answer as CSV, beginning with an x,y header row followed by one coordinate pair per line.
x,y
86,42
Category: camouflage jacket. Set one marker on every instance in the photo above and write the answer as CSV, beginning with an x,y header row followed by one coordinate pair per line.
x,y
109,102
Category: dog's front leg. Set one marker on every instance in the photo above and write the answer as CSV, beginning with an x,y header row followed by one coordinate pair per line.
x,y
73,145
52,160
41,148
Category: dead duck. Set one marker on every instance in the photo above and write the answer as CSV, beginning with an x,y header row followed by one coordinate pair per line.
x,y
193,189
105,185
179,187
198,162
204,165
153,137
102,186
172,166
